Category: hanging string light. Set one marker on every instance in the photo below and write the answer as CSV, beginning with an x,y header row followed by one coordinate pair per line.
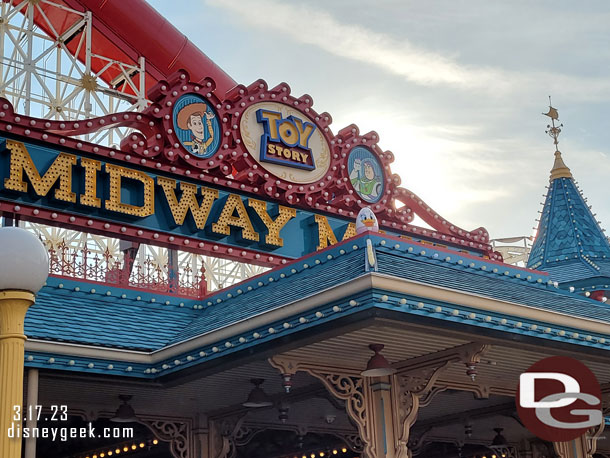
x,y
122,449
327,453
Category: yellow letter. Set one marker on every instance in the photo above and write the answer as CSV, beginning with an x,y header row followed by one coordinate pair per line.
x,y
273,227
270,149
305,131
288,133
326,234
90,196
271,117
304,157
226,218
188,201
117,173
60,169
350,231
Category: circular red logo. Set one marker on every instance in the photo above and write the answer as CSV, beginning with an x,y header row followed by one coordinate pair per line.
x,y
558,399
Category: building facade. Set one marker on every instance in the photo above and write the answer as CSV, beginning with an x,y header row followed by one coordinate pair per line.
x,y
352,332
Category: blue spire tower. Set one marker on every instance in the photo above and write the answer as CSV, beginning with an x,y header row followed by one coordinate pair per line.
x,y
570,244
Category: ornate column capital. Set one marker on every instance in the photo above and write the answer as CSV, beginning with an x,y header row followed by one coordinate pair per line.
x,y
411,389
412,386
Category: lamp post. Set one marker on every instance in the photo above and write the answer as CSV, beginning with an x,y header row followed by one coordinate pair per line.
x,y
24,267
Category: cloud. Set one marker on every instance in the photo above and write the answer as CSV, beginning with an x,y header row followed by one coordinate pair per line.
x,y
468,137
399,57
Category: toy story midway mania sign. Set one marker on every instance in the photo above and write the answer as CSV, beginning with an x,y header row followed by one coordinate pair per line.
x,y
255,175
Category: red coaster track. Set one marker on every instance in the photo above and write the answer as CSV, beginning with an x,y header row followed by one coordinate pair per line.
x,y
127,30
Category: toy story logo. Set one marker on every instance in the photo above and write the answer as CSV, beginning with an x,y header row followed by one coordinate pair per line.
x,y
285,140
196,125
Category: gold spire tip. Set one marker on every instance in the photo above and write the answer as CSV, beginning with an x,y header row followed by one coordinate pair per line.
x,y
560,169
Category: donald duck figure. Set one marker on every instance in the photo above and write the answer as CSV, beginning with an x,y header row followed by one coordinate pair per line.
x,y
366,221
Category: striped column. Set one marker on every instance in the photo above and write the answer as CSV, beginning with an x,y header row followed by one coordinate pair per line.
x,y
13,307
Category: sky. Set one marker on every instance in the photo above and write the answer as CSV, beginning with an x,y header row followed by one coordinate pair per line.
x,y
454,88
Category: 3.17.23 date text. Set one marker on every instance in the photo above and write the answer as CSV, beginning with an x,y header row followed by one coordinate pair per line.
x,y
35,412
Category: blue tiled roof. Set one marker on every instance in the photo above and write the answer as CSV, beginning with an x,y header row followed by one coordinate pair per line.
x,y
577,270
460,272
65,315
61,314
298,283
570,243
494,285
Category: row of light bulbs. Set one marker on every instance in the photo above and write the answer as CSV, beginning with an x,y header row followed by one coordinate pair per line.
x,y
119,450
322,454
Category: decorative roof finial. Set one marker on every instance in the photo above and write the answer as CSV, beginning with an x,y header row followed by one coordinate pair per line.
x,y
559,170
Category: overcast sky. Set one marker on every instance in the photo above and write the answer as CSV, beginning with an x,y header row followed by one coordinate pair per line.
x,y
454,88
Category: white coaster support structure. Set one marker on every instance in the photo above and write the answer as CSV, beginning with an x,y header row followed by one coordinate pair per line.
x,y
41,77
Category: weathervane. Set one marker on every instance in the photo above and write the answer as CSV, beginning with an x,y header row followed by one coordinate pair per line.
x,y
552,129
559,170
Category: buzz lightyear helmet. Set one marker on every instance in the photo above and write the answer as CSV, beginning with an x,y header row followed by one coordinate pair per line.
x,y
366,221
368,163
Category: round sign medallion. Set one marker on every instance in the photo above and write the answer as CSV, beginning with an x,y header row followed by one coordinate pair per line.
x,y
365,174
196,125
559,399
285,142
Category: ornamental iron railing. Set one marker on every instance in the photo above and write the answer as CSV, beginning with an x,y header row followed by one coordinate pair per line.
x,y
102,259
125,271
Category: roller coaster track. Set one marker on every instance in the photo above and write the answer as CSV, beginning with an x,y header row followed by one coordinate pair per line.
x,y
71,59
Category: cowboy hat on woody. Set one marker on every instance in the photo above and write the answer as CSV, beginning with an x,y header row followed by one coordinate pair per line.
x,y
184,115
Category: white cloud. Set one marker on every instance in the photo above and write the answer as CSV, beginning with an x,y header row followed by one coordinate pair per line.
x,y
468,138
399,57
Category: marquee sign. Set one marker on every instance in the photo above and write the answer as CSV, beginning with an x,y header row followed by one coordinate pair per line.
x,y
104,191
255,174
